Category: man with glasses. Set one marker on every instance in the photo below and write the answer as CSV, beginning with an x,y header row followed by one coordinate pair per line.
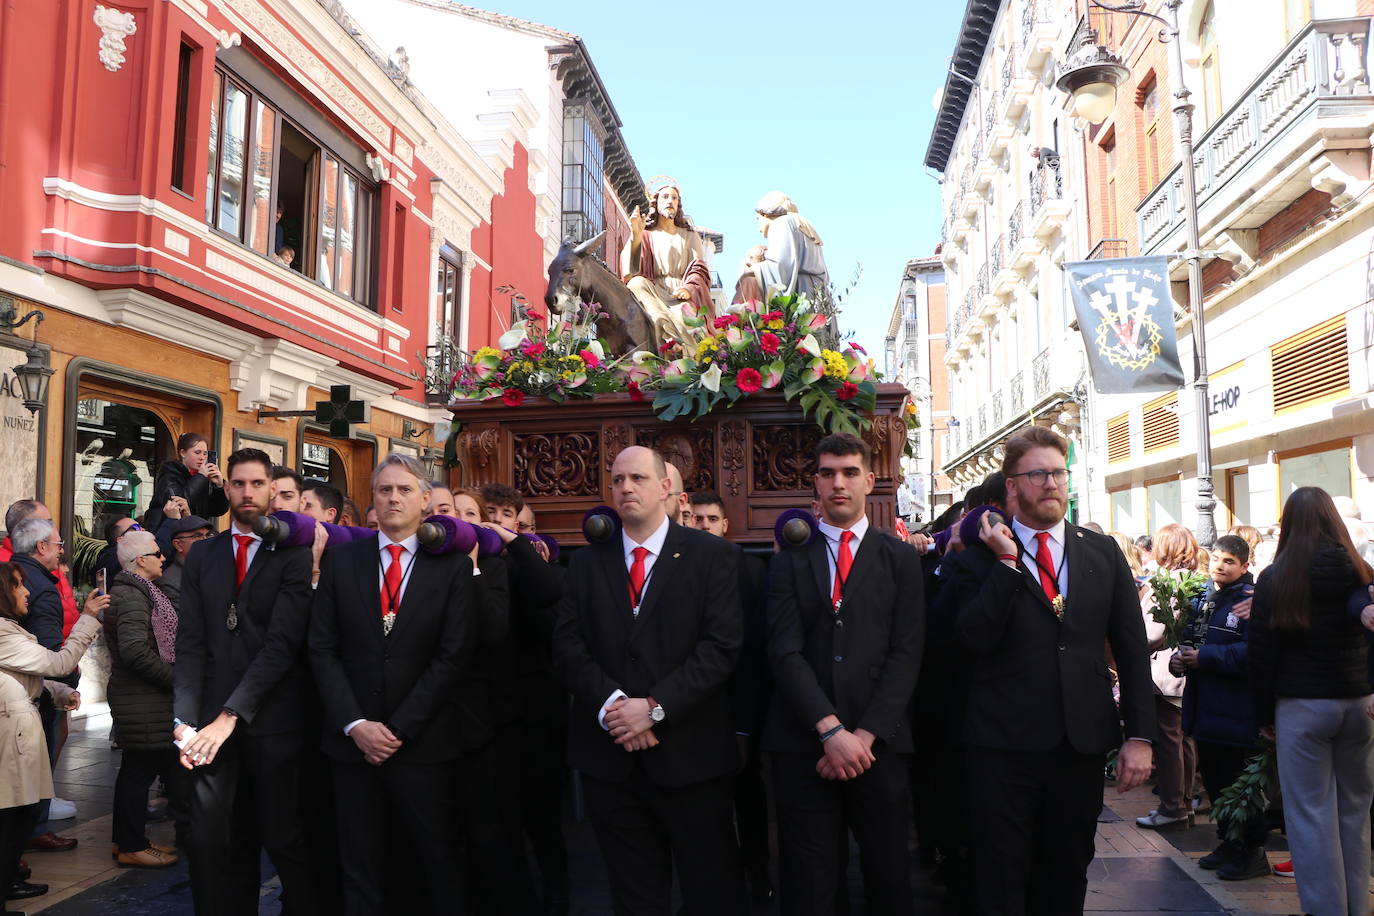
x,y
1036,613
186,533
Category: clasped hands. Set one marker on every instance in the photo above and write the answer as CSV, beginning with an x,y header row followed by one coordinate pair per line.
x,y
627,720
207,742
375,740
846,755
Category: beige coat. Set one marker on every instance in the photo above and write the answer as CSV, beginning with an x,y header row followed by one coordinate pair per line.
x,y
25,774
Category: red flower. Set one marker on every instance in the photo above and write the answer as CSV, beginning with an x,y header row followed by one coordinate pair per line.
x,y
513,397
725,321
589,358
847,391
535,315
635,393
667,345
769,343
532,349
749,380
771,316
854,346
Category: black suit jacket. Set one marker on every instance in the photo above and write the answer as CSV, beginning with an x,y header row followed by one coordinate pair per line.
x,y
680,650
750,685
860,665
1038,681
406,679
257,670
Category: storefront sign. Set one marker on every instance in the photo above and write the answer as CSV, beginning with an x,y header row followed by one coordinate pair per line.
x,y
18,434
1228,399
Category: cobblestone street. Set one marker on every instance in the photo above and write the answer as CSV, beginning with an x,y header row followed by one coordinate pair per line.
x,y
1136,871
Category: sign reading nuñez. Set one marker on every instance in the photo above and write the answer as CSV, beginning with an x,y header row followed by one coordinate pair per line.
x,y
1127,318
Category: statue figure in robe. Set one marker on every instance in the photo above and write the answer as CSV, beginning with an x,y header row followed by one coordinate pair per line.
x,y
664,264
793,261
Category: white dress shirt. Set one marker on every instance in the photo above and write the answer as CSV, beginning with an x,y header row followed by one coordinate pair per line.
x,y
654,544
832,539
1029,547
253,545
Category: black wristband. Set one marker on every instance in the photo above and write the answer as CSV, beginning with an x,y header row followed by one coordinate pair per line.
x,y
827,735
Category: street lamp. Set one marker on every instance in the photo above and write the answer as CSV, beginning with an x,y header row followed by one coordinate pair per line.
x,y
33,379
1091,77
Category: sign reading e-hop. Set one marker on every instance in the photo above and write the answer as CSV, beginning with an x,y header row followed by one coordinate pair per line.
x,y
18,433
1127,318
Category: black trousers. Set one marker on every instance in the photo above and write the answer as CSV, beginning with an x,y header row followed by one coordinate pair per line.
x,y
1219,765
490,819
539,767
248,800
416,801
137,770
1032,822
644,830
814,817
15,825
751,807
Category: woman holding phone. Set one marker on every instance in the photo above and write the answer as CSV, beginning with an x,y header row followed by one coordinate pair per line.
x,y
192,475
25,670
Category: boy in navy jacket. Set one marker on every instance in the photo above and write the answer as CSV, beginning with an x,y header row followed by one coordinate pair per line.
x,y
1216,700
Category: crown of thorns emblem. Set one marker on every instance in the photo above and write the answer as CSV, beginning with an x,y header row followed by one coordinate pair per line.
x,y
1126,336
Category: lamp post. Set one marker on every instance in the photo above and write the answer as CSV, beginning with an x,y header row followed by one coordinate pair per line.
x,y
34,374
1091,77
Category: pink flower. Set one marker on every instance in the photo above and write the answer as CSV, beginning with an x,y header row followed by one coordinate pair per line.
x,y
854,346
589,358
749,380
532,349
636,393
771,316
769,343
513,397
535,315
725,321
847,391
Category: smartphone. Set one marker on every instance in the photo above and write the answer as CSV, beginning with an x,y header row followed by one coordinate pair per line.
x,y
212,457
100,576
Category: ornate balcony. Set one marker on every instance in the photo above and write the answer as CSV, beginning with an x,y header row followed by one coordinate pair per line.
x,y
1017,390
1018,86
1040,376
997,402
1038,33
1108,248
1257,158
1048,208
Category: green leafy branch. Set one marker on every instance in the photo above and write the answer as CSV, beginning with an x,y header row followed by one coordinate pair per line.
x,y
1174,593
1247,797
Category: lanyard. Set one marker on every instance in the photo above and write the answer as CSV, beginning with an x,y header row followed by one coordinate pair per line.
x,y
844,579
1055,574
393,600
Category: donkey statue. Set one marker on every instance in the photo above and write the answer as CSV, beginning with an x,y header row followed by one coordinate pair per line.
x,y
578,274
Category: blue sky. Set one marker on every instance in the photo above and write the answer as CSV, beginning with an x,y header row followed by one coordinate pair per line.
x,y
829,103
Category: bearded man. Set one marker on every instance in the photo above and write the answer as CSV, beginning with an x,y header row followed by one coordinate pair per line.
x,y
664,264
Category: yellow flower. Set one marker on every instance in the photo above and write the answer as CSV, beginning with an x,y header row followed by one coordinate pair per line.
x,y
910,409
707,349
774,325
487,352
835,365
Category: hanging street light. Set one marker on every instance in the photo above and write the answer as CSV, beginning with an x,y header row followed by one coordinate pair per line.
x,y
1091,77
33,378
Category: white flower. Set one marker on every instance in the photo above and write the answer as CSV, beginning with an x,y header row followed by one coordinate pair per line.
x,y
710,379
809,344
514,337
595,347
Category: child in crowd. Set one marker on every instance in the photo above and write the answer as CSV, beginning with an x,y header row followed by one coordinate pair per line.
x,y
1216,701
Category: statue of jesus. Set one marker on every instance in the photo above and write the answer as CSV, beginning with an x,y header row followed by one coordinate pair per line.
x,y
664,264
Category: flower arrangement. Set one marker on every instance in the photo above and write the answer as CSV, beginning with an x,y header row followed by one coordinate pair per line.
x,y
1174,594
756,348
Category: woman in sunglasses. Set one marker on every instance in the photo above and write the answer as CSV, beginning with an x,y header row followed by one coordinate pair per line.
x,y
140,630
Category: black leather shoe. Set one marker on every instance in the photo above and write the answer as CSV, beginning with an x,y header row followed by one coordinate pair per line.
x,y
23,890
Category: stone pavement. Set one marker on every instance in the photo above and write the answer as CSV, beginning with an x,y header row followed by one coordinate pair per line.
x,y
1136,871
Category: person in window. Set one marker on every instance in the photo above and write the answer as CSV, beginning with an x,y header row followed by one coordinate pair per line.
x,y
191,476
285,255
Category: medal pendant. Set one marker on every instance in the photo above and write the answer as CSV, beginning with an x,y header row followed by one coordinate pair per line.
x,y
231,623
388,621
838,604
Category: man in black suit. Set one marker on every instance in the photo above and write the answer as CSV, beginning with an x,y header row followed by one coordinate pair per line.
x,y
240,679
749,688
846,617
1035,613
390,634
646,639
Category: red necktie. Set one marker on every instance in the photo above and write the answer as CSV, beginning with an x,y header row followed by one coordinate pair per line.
x,y
842,563
392,597
241,558
637,576
1045,563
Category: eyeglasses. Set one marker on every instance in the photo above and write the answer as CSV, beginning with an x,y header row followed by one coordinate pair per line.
x,y
192,536
1039,476
59,543
156,553
133,526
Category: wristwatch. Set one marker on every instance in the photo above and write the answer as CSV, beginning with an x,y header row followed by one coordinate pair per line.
x,y
656,713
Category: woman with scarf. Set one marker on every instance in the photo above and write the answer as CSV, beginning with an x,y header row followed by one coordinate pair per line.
x,y
140,630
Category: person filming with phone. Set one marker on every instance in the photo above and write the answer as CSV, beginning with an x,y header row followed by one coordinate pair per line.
x,y
192,475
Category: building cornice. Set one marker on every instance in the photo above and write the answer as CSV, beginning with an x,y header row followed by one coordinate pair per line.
x,y
967,60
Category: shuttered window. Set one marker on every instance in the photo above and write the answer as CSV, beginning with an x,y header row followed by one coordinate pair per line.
x,y
1159,420
1311,366
1119,438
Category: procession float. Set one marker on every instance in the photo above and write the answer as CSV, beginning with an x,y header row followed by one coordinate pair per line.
x,y
736,398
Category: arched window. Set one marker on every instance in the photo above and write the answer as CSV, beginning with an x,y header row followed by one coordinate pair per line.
x,y
1207,64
